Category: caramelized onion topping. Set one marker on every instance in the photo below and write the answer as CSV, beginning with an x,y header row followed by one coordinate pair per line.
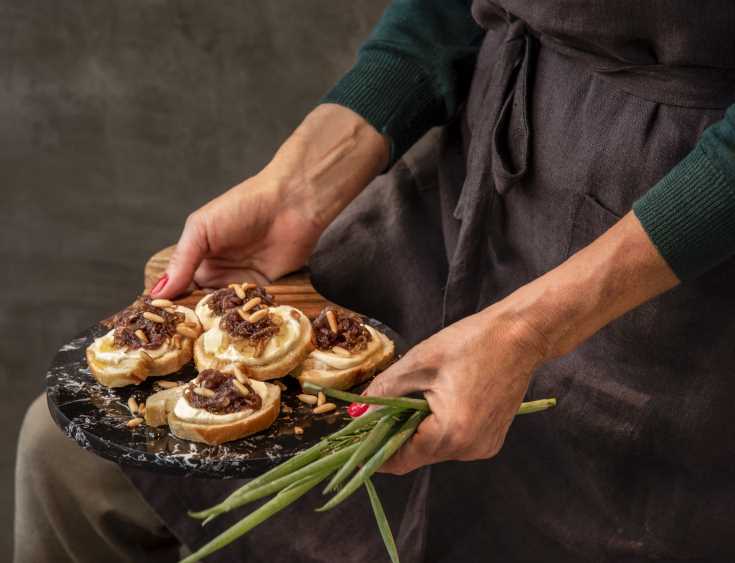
x,y
128,321
226,399
257,333
351,332
226,299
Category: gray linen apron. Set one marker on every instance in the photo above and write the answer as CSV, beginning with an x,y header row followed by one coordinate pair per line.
x,y
575,110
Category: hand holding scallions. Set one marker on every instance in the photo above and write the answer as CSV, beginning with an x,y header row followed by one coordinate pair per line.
x,y
474,375
343,462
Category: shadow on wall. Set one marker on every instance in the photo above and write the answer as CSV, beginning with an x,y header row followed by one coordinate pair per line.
x,y
118,119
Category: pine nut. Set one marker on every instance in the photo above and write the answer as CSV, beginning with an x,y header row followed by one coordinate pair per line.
x,y
161,303
235,370
238,291
243,315
247,286
320,399
186,331
308,399
240,376
326,407
153,317
250,304
132,405
332,320
341,351
140,335
203,392
244,391
165,384
298,430
133,422
259,348
258,315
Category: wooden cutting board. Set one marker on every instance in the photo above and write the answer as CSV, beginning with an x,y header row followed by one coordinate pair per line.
x,y
294,289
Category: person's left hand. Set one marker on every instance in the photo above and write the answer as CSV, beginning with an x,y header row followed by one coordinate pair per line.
x,y
474,375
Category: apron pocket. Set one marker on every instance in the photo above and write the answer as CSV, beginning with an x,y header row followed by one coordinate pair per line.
x,y
590,220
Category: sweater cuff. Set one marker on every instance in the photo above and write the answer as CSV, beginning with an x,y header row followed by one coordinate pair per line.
x,y
390,92
690,216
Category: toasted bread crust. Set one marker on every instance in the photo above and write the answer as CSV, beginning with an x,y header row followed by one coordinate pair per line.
x,y
283,366
214,434
205,315
158,405
134,375
139,369
347,378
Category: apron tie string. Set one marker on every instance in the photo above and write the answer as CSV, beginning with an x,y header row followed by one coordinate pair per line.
x,y
505,145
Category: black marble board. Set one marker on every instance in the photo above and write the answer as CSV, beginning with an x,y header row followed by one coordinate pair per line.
x,y
95,417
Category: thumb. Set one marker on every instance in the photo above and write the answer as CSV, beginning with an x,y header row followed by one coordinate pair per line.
x,y
189,253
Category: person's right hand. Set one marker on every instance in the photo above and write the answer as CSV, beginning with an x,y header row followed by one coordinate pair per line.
x,y
268,225
252,232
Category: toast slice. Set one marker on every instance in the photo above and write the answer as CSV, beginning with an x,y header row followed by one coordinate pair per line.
x,y
159,410
316,371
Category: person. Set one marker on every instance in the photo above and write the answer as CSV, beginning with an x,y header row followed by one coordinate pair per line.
x,y
538,196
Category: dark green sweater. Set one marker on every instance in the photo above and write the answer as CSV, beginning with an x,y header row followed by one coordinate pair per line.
x,y
414,72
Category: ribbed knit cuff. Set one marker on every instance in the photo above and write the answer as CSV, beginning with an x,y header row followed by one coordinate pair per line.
x,y
690,215
393,94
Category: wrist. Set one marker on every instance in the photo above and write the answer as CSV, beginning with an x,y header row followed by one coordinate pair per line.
x,y
327,162
616,273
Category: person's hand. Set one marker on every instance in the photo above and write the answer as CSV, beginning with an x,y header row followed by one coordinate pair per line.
x,y
475,372
254,232
474,375
268,225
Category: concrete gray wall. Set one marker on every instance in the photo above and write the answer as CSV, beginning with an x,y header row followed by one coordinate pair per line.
x,y
117,119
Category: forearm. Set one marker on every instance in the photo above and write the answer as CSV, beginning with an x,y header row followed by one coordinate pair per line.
x,y
328,161
614,274
414,71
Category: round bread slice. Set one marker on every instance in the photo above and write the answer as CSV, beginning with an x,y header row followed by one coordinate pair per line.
x,y
252,367
205,315
131,370
215,434
315,371
160,404
137,365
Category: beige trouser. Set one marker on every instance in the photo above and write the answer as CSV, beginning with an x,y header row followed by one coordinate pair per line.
x,y
72,505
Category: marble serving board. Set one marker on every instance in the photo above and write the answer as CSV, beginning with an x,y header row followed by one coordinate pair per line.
x,y
95,417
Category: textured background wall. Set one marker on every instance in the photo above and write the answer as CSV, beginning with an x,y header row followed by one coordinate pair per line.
x,y
117,118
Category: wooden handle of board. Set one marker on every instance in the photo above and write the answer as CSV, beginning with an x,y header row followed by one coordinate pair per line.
x,y
294,289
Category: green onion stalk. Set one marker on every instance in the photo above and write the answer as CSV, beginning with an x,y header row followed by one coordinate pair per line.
x,y
349,456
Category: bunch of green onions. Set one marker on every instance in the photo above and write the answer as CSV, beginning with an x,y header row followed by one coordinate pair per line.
x,y
350,455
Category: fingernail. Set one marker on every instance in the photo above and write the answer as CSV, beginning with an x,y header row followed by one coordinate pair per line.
x,y
160,284
357,409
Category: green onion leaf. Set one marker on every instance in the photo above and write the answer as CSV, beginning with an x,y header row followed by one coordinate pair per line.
x,y
368,445
273,506
398,402
537,406
299,460
330,462
382,520
373,464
